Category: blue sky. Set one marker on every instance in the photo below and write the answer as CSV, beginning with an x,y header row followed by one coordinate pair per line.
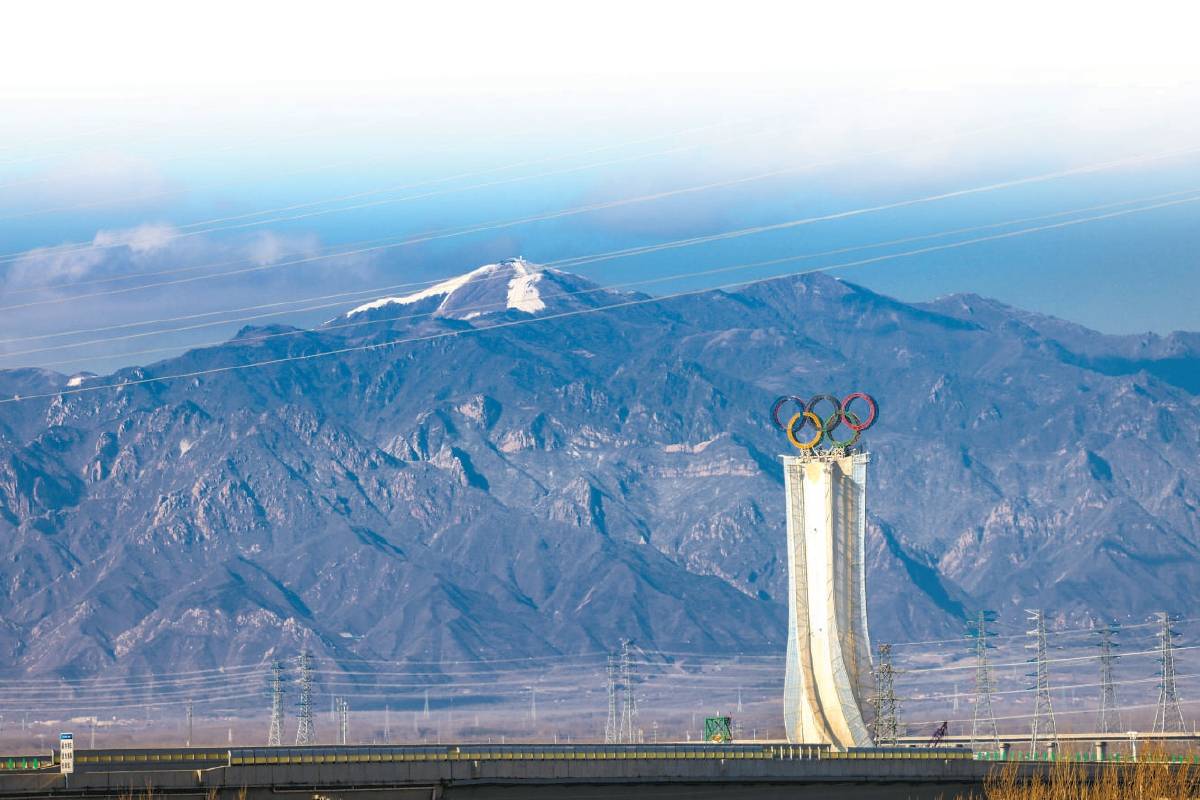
x,y
125,174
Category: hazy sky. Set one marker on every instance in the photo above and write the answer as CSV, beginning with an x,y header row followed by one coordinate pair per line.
x,y
147,138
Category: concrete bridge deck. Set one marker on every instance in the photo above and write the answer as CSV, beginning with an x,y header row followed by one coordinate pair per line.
x,y
578,772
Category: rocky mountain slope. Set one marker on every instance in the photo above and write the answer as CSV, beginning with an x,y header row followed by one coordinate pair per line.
x,y
556,486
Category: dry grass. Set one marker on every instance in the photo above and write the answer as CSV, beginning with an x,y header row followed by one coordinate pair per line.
x,y
1155,776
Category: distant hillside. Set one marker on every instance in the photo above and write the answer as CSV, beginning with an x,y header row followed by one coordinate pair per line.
x,y
556,486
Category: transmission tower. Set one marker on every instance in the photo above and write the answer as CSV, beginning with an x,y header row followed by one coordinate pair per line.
x,y
610,727
627,732
343,712
305,734
983,718
189,723
275,737
1109,718
1043,711
885,727
1167,717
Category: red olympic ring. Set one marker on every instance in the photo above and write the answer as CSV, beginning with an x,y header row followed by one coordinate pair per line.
x,y
870,401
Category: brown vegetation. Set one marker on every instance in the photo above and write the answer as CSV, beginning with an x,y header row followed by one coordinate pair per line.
x,y
1157,776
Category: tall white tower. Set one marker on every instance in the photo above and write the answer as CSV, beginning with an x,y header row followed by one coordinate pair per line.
x,y
828,675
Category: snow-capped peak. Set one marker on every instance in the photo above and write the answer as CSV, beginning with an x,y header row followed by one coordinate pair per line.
x,y
522,291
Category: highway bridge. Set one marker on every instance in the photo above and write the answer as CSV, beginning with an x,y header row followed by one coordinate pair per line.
x,y
578,772
1072,740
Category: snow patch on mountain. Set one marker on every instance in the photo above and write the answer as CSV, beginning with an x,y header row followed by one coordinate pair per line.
x,y
523,294
445,288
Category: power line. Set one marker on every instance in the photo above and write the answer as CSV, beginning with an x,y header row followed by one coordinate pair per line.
x,y
610,255
576,210
340,298
198,227
158,678
76,247
358,161
573,313
242,221
1085,629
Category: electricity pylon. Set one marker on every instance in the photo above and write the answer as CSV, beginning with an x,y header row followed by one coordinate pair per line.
x,y
885,727
343,711
1109,718
1043,711
628,726
1167,717
610,727
983,718
305,733
275,736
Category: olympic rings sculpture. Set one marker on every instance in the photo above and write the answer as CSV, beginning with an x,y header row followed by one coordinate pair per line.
x,y
823,427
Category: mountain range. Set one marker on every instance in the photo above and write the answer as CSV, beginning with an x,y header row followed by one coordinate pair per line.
x,y
488,469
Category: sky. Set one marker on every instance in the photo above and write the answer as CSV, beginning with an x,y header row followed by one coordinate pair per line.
x,y
170,173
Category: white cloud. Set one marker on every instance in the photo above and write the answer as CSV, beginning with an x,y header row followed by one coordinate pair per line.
x,y
151,251
142,239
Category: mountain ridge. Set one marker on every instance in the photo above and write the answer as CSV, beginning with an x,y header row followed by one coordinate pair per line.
x,y
557,486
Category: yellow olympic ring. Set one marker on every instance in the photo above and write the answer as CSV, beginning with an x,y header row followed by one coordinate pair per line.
x,y
791,430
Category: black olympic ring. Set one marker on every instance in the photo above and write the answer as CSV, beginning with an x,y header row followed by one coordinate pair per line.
x,y
824,427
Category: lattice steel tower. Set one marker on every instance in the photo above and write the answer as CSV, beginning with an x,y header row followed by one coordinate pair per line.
x,y
1167,717
885,725
275,737
627,731
610,727
1043,711
343,713
305,733
983,718
1109,718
